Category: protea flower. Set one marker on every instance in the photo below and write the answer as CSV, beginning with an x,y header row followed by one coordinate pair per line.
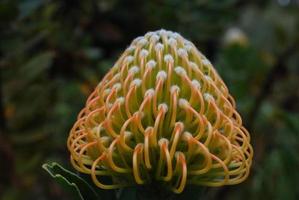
x,y
161,114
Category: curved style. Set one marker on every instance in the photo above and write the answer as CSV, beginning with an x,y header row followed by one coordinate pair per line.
x,y
162,113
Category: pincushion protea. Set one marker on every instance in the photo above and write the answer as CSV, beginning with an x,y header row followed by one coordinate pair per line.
x,y
162,114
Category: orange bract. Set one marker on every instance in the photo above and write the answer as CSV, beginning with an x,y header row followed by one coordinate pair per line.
x,y
162,113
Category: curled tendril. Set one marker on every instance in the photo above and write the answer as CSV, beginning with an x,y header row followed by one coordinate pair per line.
x,y
162,113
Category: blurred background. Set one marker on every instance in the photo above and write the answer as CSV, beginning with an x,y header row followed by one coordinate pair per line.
x,y
54,52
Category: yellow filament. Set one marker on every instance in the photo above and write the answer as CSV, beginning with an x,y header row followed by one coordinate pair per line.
x,y
95,172
136,163
110,159
176,135
148,133
181,166
164,154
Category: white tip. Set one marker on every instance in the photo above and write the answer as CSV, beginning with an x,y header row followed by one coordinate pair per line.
x,y
177,154
196,84
168,58
121,100
183,103
163,140
161,75
98,128
134,70
131,48
149,128
141,114
169,33
175,35
128,134
174,88
206,62
208,78
163,106
154,38
182,52
163,32
187,135
117,76
110,105
136,40
208,97
138,113
136,82
129,59
149,34
180,71
159,47
107,91
179,124
188,47
142,42
186,42
143,53
116,86
193,65
149,92
151,64
172,42
105,139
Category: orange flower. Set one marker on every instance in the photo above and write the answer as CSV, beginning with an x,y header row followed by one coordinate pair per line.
x,y
162,113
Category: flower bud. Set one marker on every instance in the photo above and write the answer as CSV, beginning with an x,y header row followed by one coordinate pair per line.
x,y
161,114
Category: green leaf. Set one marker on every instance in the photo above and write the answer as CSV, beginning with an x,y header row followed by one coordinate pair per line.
x,y
92,53
36,66
27,7
77,186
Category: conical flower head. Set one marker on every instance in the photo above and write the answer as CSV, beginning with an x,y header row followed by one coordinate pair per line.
x,y
161,114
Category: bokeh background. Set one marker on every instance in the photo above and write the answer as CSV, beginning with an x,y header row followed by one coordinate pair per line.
x,y
54,52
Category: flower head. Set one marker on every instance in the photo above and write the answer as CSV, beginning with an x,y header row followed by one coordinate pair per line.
x,y
162,113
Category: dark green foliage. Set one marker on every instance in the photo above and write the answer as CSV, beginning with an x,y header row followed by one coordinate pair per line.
x,y
71,182
54,52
